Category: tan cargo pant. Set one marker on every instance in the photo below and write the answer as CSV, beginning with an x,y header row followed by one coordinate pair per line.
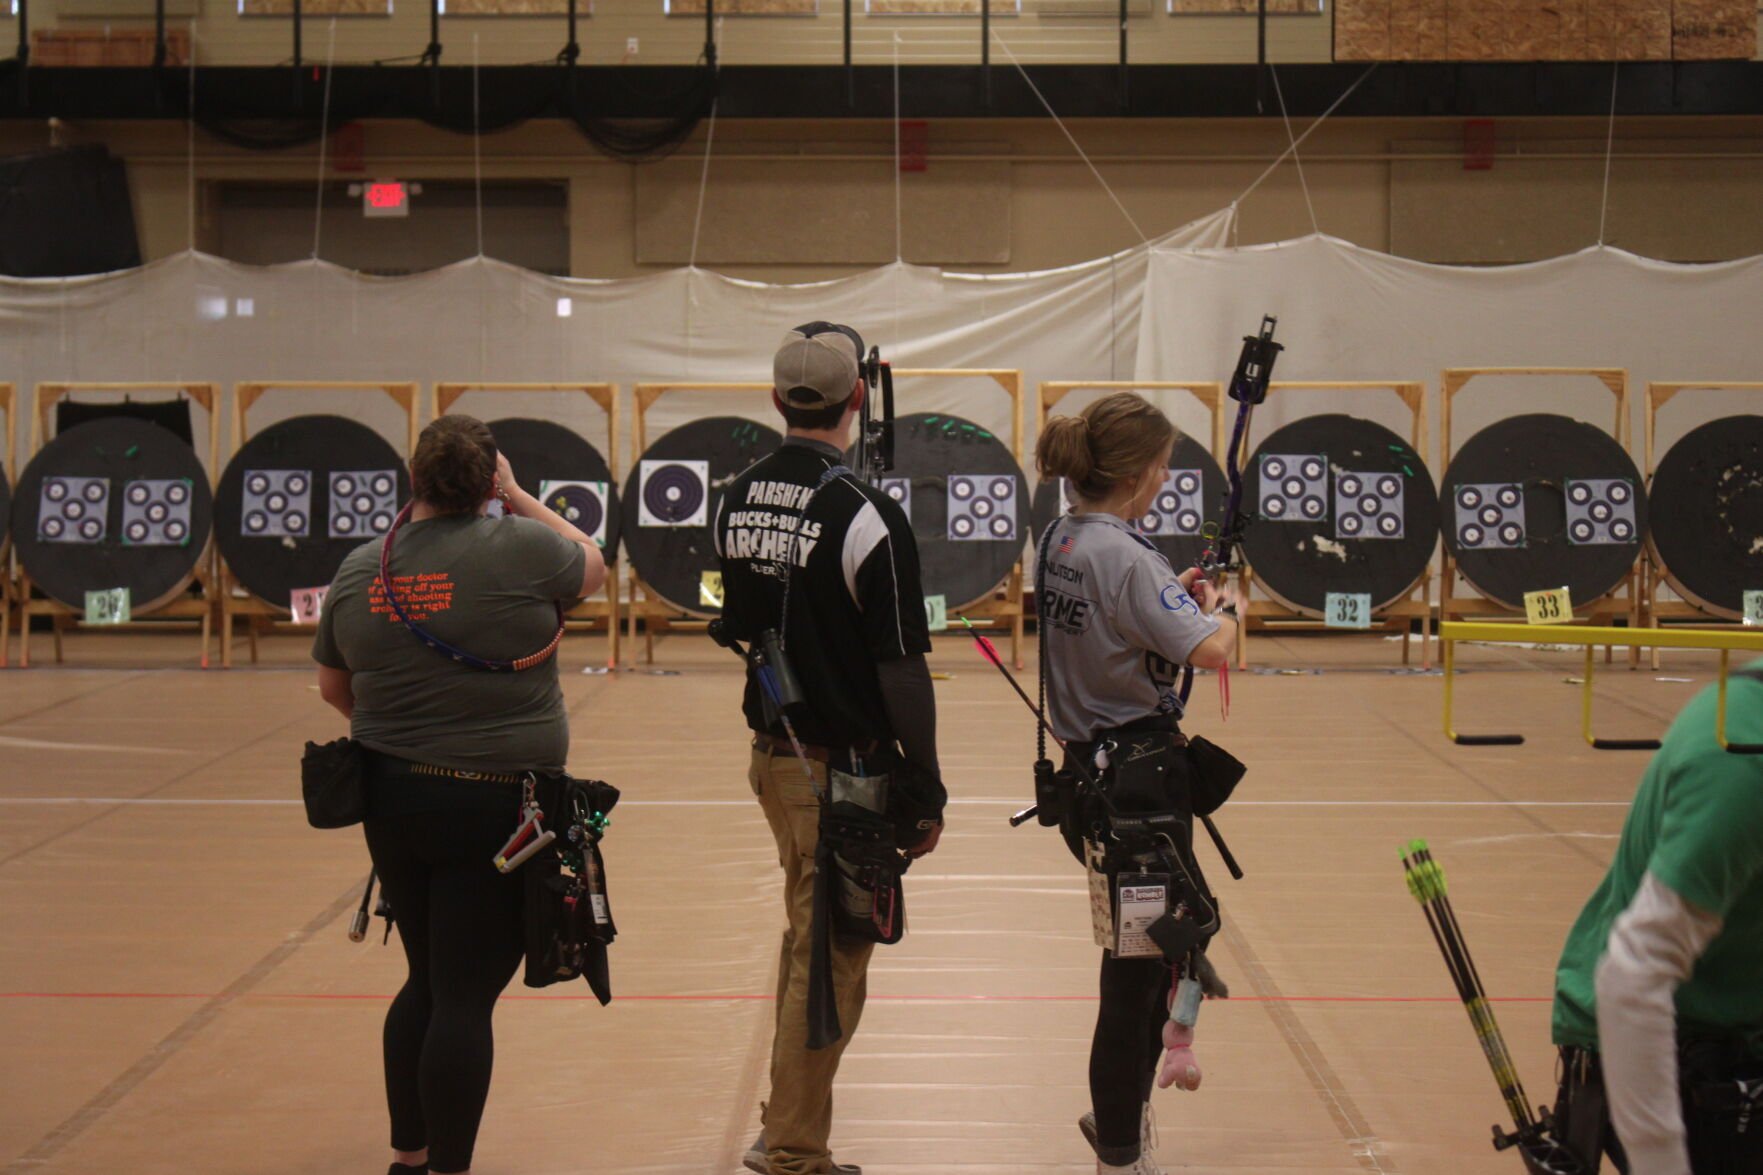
x,y
799,1116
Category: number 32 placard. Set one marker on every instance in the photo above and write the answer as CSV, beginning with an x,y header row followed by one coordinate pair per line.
x,y
1347,610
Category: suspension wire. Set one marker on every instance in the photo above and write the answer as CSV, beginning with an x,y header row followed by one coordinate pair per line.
x,y
1322,118
1609,151
324,139
1072,139
1296,158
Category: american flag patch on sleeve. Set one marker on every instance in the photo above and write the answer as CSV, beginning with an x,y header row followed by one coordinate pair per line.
x,y
1066,543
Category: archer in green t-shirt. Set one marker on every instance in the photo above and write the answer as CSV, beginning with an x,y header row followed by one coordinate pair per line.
x,y
1659,991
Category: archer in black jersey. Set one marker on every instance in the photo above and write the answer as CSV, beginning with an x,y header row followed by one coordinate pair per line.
x,y
810,550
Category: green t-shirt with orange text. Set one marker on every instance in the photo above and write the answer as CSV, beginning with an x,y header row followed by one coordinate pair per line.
x,y
486,586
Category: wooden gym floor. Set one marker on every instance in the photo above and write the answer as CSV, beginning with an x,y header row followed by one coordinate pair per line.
x,y
177,993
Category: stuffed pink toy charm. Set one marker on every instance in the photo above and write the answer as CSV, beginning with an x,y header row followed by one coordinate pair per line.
x,y
1179,1066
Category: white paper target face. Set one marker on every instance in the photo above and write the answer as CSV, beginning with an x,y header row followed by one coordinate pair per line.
x,y
673,493
580,503
1294,487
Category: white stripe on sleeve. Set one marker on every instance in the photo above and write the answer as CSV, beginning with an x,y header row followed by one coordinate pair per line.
x,y
866,532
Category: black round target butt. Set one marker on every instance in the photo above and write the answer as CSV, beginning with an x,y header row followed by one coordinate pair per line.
x,y
1706,503
542,451
80,514
1351,509
1197,487
672,560
1561,495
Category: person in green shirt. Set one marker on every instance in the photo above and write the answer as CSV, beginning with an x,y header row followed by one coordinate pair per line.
x,y
1659,992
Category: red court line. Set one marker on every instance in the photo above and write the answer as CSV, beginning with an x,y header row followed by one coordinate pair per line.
x,y
375,997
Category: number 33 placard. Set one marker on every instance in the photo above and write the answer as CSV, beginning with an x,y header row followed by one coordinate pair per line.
x,y
1550,606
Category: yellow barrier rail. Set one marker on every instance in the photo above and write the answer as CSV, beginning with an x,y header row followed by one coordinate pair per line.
x,y
1725,641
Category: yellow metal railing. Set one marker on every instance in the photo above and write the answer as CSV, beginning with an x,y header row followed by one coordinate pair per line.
x,y
1725,641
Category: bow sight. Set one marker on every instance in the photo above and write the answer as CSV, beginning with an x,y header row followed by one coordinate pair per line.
x,y
874,454
1248,387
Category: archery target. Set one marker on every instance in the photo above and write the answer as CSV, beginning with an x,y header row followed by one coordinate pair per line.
x,y
1359,513
1368,505
81,502
156,512
1490,516
1177,508
364,502
900,490
275,555
1706,503
1294,487
1525,490
277,503
982,507
673,493
1600,510
73,510
671,560
546,454
581,503
969,567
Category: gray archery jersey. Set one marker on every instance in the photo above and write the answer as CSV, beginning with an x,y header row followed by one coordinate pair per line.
x,y
1116,626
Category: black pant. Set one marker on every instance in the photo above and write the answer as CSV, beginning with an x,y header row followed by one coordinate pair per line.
x,y
460,922
1125,1051
1723,1138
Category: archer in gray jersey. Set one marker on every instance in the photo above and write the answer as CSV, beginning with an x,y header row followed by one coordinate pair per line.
x,y
1117,627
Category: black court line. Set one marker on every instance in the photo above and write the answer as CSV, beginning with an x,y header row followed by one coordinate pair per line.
x,y
90,1114
1355,1130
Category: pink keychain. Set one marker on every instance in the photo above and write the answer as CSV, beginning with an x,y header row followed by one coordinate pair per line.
x,y
1179,1065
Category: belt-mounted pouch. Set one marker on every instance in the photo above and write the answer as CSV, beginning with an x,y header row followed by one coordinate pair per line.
x,y
1723,1096
1148,775
858,849
332,783
1213,774
568,909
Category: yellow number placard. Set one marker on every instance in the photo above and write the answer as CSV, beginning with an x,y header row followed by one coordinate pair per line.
x,y
710,589
1549,606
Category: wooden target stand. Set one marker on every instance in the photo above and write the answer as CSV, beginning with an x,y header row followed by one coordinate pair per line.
x,y
1622,601
259,614
596,614
1654,572
180,606
1398,616
8,405
1004,606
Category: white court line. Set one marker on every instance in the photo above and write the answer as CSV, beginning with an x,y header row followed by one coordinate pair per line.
x,y
37,744
168,802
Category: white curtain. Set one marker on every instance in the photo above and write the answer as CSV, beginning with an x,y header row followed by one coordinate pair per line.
x,y
196,317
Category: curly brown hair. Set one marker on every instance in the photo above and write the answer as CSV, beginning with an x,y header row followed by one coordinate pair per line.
x,y
455,464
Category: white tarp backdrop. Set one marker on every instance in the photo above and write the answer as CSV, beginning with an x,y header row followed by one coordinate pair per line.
x,y
196,317
1350,313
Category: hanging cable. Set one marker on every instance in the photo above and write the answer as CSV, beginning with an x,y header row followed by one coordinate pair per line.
x,y
1322,118
1072,139
324,140
190,139
477,149
1609,150
1296,158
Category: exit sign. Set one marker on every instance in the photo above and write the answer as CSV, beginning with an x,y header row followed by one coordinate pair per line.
x,y
385,198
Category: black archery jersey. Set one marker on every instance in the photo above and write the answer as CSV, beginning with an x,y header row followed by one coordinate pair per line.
x,y
855,598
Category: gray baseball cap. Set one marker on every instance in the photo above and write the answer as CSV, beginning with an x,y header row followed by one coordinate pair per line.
x,y
817,365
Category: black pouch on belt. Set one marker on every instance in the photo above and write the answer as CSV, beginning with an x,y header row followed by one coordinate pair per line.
x,y
332,783
1723,1104
1214,773
567,909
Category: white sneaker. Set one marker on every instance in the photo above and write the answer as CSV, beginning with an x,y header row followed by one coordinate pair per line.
x,y
1145,1166
1147,1129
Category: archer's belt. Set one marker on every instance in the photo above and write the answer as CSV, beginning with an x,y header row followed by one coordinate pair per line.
x,y
392,766
769,745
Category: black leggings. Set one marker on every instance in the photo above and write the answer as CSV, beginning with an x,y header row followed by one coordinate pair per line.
x,y
1125,1051
460,923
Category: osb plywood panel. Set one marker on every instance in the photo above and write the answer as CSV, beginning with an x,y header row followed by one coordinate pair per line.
x,y
1214,7
745,7
316,7
513,7
1629,30
822,212
1703,30
1362,30
1419,30
1086,7
938,7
